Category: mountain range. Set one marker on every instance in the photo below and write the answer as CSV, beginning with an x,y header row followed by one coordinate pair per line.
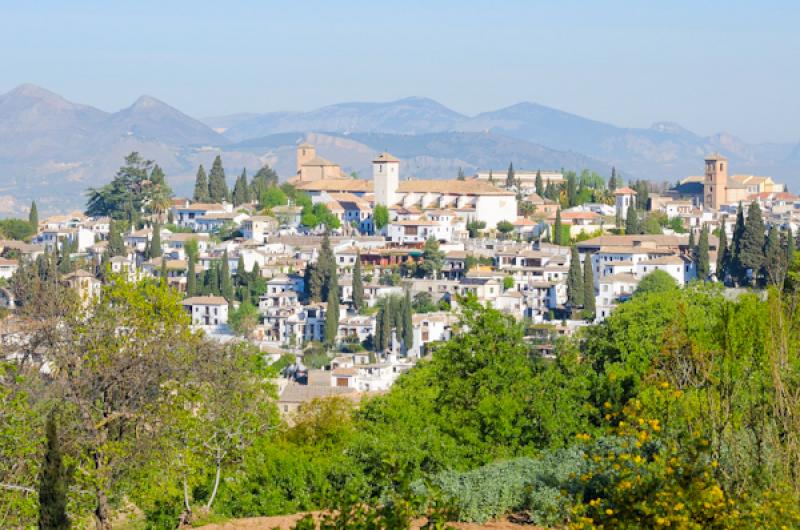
x,y
52,149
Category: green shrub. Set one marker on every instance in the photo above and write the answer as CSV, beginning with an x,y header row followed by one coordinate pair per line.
x,y
523,484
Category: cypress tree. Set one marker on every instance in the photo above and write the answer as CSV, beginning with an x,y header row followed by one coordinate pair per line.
x,y
575,279
736,244
408,322
116,245
703,265
332,312
378,338
539,183
722,252
557,228
790,247
326,265
155,242
510,180
572,189
52,483
358,285
33,217
751,247
386,325
201,185
191,278
241,273
632,221
491,177
315,281
774,257
163,271
241,191
612,182
588,287
226,283
691,246
217,186
213,279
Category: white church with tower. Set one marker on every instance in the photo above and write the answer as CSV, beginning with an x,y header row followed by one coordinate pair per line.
x,y
471,200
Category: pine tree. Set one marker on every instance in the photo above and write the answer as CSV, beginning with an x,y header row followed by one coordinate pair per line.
x,y
332,312
751,247
539,183
217,185
722,252
632,221
510,176
588,288
703,264
358,285
226,283
33,216
557,229
155,242
575,279
408,322
201,185
191,277
52,483
116,245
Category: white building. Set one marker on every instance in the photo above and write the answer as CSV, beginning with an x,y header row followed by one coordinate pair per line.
x,y
207,310
625,198
472,200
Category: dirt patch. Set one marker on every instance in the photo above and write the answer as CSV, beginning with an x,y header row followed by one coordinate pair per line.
x,y
285,522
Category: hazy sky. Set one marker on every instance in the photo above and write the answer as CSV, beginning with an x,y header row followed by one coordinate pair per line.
x,y
710,66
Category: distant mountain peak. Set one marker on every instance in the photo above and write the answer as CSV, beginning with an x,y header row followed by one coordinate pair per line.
x,y
670,127
145,102
31,91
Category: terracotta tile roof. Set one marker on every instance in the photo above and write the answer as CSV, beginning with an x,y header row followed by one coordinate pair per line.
x,y
205,300
385,157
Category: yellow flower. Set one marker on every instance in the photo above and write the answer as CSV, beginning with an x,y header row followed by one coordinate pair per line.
x,y
607,405
678,507
609,511
665,385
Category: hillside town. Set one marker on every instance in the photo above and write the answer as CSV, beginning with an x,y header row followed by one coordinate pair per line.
x,y
358,279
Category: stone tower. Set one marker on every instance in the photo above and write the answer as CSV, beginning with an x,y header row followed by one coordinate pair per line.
x,y
386,179
305,152
716,182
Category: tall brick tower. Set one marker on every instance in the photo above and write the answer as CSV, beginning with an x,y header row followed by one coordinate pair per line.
x,y
716,181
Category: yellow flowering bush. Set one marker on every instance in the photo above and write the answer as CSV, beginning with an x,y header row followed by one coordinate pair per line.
x,y
639,479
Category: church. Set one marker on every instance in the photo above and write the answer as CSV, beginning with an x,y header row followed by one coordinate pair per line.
x,y
720,189
471,200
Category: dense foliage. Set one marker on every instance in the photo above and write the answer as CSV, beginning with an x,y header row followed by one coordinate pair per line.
x,y
679,410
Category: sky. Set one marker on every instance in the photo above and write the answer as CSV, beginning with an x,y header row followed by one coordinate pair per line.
x,y
710,66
